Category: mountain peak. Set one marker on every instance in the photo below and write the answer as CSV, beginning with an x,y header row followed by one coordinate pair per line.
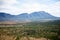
x,y
34,16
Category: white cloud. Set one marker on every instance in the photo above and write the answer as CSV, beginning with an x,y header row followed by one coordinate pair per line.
x,y
54,9
10,2
9,7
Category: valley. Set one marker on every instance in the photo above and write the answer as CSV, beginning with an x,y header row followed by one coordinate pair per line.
x,y
31,31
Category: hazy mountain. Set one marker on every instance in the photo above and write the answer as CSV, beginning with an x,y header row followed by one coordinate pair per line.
x,y
41,15
34,16
6,17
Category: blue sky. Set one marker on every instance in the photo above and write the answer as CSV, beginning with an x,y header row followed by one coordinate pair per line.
x,y
16,7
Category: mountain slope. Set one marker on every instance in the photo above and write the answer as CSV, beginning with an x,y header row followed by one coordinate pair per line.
x,y
34,16
6,17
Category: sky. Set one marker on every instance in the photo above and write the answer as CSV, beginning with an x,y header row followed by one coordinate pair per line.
x,y
16,7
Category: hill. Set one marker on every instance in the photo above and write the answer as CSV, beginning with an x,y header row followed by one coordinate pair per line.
x,y
25,17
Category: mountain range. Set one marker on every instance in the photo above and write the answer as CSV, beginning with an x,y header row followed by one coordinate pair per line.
x,y
25,17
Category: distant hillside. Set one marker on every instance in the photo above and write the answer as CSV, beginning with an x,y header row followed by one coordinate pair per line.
x,y
25,17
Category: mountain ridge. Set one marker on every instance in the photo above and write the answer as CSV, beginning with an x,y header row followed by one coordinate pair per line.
x,y
34,16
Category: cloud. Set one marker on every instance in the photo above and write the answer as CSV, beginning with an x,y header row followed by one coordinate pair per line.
x,y
54,9
17,7
38,1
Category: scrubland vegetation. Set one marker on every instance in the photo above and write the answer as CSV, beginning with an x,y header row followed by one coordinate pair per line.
x,y
31,31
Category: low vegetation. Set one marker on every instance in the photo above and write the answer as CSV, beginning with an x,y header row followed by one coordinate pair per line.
x,y
31,31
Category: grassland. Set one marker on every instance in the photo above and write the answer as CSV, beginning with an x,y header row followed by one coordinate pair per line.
x,y
30,31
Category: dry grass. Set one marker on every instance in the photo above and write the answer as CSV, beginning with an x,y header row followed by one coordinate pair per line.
x,y
6,37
